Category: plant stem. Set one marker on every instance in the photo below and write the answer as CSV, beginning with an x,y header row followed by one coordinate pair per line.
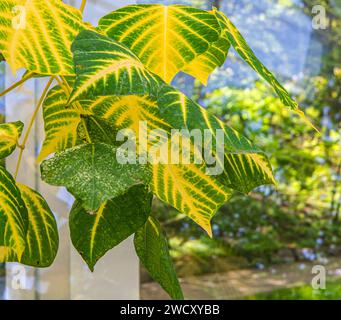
x,y
67,90
34,115
82,6
17,84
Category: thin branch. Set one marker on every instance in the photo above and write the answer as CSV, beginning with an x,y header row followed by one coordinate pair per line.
x,y
17,84
82,6
33,118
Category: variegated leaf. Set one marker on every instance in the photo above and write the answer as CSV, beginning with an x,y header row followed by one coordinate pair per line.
x,y
42,235
165,38
203,65
61,122
243,49
93,234
245,166
37,35
9,136
106,67
128,112
13,219
188,187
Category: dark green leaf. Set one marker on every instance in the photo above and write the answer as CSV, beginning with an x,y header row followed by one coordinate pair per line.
x,y
92,173
152,248
94,234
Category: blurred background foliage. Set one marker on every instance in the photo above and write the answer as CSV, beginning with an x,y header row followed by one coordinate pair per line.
x,y
300,219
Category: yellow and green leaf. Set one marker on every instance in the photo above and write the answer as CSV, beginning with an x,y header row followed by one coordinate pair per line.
x,y
106,67
61,122
244,165
203,65
37,35
240,45
186,187
13,219
165,38
9,136
42,235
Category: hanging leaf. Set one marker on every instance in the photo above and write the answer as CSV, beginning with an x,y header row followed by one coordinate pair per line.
x,y
37,35
93,234
241,46
2,58
92,173
13,219
106,67
9,136
152,248
165,38
245,166
203,65
60,122
42,235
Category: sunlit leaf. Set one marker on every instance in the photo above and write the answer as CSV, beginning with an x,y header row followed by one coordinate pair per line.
x,y
9,135
42,235
243,49
245,166
165,38
152,248
92,173
93,234
13,219
37,35
60,121
203,65
106,67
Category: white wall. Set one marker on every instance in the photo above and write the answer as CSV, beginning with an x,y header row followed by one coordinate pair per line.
x,y
117,275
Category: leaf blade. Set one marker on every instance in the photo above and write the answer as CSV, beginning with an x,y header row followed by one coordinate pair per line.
x,y
92,173
13,219
152,248
9,136
37,35
106,67
42,235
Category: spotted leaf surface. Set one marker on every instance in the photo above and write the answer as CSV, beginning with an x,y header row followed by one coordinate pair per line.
x,y
92,173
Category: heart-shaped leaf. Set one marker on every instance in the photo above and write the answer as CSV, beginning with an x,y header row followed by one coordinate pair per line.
x,y
92,173
93,234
